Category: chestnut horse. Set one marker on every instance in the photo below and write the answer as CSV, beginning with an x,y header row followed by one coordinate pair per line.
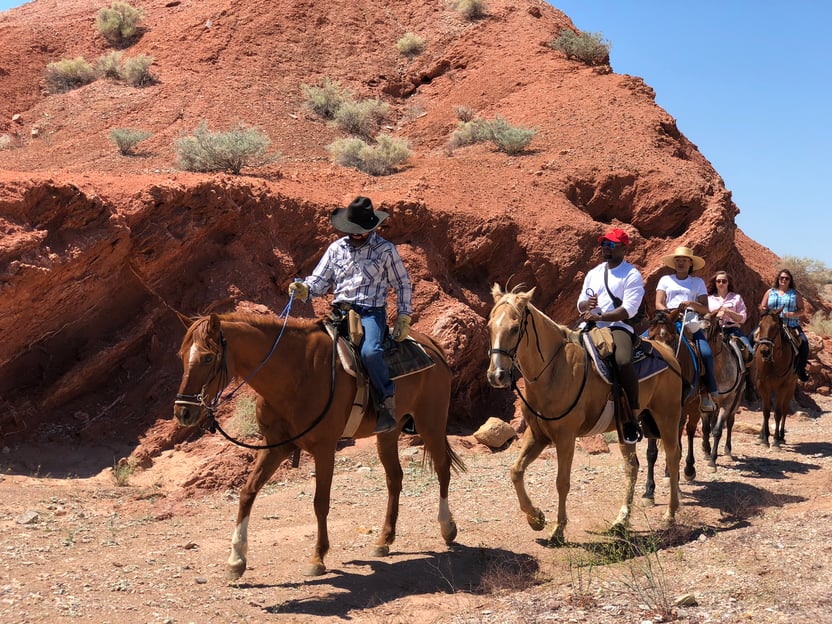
x,y
774,369
304,400
564,397
729,370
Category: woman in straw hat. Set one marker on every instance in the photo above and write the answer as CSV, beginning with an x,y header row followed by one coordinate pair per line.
x,y
681,289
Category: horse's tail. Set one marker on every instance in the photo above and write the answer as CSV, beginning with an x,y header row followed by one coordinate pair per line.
x,y
457,465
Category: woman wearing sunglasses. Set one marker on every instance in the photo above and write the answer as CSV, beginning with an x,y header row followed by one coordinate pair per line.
x,y
783,294
727,306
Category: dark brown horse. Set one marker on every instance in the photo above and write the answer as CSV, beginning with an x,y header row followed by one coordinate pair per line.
x,y
304,400
729,371
564,397
775,375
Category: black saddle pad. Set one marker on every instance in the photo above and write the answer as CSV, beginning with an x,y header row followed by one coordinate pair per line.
x,y
405,357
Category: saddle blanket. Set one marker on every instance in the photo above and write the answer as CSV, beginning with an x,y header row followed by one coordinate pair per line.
x,y
647,361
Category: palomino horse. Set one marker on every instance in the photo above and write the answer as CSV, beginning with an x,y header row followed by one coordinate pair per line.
x,y
729,371
774,361
304,401
565,397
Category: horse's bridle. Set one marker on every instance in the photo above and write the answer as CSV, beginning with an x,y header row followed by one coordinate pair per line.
x,y
198,400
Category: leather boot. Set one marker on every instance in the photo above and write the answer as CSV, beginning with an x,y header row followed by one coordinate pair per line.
x,y
386,415
707,403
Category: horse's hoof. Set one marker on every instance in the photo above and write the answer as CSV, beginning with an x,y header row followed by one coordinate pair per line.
x,y
537,520
648,501
381,550
689,475
234,571
449,533
556,538
617,530
314,569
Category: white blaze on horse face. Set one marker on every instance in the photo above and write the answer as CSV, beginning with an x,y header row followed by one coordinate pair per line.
x,y
193,355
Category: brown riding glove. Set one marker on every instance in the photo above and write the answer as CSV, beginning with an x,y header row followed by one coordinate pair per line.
x,y
300,290
402,328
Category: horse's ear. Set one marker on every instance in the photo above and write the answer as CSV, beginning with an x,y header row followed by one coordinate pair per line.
x,y
187,321
214,327
525,297
496,292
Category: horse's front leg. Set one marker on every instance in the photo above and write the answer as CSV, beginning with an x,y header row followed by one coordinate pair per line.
x,y
784,400
566,452
388,453
628,453
717,436
530,449
264,466
324,468
764,431
649,496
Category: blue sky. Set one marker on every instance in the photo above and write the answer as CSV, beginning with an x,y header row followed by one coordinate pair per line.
x,y
748,81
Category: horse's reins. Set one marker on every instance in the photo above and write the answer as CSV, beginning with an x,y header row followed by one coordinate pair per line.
x,y
770,359
512,355
198,400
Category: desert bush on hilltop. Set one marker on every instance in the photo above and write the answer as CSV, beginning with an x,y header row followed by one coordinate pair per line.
x,y
810,276
379,159
464,113
126,139
591,48
68,74
326,98
470,9
136,71
361,118
119,24
410,44
230,151
109,65
507,138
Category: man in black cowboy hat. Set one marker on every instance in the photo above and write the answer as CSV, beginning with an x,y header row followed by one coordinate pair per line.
x,y
360,268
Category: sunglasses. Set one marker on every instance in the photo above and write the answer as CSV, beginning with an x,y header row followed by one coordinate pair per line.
x,y
721,281
784,277
609,244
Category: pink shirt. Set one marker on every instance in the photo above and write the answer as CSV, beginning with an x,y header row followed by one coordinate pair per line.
x,y
731,302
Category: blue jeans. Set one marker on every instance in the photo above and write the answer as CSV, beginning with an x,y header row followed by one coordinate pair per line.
x,y
736,331
374,322
707,359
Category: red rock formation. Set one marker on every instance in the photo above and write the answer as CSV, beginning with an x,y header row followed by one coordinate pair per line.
x,y
97,248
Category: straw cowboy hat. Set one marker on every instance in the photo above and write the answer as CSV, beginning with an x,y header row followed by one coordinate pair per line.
x,y
684,252
358,218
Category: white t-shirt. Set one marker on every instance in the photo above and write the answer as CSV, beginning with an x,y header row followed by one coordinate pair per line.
x,y
625,283
679,291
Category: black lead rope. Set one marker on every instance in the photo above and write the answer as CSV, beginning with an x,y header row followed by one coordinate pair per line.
x,y
214,425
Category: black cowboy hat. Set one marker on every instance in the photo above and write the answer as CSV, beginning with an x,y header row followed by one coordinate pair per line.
x,y
358,218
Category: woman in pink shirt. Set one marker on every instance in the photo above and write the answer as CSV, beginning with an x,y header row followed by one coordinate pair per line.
x,y
727,306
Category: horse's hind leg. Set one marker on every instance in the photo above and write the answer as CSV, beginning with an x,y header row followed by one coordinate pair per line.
x,y
530,449
690,428
630,457
388,453
264,466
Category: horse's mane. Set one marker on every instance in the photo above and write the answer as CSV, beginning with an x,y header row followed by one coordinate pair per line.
x,y
510,299
197,333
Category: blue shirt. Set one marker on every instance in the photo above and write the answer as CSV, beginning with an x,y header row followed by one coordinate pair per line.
x,y
788,301
364,275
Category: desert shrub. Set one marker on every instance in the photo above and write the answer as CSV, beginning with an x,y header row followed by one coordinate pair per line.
x,y
136,71
469,133
470,9
379,159
410,44
109,65
591,48
119,24
361,118
810,276
821,324
229,151
5,141
326,98
509,139
126,139
123,469
68,74
464,113
245,417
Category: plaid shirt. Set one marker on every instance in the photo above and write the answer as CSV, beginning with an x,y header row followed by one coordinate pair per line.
x,y
362,276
